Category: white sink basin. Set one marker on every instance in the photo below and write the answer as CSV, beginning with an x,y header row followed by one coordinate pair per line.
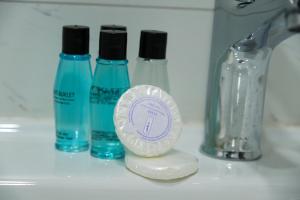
x,y
31,169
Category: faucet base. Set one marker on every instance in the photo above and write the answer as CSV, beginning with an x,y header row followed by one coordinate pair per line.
x,y
230,155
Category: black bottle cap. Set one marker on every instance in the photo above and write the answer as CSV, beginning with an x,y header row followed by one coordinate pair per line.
x,y
153,44
113,27
112,45
75,39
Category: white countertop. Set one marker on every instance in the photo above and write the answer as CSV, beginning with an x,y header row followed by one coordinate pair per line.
x,y
30,168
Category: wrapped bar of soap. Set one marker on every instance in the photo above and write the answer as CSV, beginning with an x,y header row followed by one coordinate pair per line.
x,y
147,121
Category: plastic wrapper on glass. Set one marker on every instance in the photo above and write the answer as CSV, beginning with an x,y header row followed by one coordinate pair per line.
x,y
235,110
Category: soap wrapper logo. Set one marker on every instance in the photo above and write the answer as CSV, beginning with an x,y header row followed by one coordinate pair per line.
x,y
150,118
105,95
64,97
148,125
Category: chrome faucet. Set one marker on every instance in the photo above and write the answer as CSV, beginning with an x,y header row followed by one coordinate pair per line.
x,y
244,34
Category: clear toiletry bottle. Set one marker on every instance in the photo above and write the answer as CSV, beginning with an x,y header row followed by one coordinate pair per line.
x,y
151,67
109,83
71,91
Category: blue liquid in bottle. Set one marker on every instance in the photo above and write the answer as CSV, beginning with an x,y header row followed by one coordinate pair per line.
x,y
71,92
109,83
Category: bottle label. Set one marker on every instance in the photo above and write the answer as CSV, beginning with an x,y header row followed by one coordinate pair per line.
x,y
64,97
100,95
150,118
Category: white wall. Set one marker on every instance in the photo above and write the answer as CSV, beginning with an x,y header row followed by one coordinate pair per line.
x,y
283,90
30,41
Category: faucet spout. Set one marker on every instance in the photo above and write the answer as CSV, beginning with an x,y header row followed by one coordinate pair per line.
x,y
272,32
238,71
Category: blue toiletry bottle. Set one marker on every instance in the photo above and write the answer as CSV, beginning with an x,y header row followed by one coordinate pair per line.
x,y
109,83
71,91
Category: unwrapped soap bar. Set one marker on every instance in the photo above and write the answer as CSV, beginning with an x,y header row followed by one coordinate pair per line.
x,y
173,165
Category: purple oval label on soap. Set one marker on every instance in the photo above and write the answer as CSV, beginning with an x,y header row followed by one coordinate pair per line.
x,y
151,118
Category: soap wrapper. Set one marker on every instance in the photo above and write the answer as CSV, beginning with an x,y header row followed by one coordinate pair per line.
x,y
147,121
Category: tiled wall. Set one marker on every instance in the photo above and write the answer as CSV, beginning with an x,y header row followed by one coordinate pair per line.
x,y
30,41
